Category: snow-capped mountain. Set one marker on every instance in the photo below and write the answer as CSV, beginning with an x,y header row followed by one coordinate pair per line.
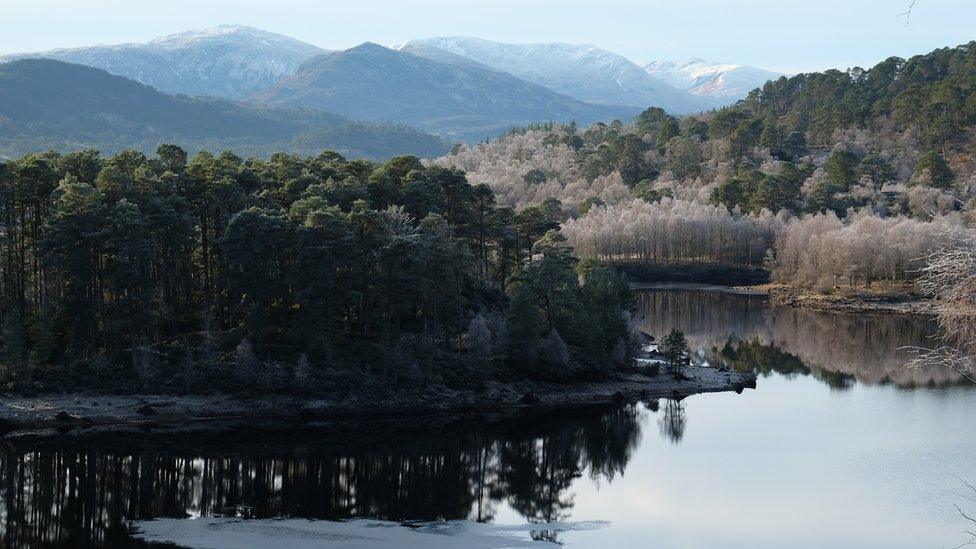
x,y
583,72
465,88
439,92
724,82
229,61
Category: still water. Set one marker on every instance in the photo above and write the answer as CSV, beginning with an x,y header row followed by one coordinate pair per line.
x,y
838,447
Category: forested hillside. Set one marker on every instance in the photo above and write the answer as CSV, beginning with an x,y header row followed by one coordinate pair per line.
x,y
292,274
834,178
46,104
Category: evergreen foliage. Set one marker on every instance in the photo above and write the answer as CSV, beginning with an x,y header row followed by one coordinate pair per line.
x,y
214,271
674,347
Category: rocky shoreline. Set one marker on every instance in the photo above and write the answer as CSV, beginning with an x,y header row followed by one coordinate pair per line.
x,y
52,415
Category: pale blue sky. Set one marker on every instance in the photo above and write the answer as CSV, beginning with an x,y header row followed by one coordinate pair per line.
x,y
786,35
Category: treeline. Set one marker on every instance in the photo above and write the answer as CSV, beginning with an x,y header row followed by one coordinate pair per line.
x,y
672,231
816,251
291,273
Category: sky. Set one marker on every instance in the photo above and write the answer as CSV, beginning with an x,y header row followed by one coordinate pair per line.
x,y
784,35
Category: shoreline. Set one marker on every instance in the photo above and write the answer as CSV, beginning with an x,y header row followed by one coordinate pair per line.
x,y
79,414
782,295
698,287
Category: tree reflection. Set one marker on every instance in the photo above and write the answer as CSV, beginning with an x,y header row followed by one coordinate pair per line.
x,y
673,420
610,440
83,496
753,356
836,348
536,477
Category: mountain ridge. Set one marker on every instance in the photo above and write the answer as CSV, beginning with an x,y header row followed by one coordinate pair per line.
x,y
581,71
46,103
231,61
458,87
238,61
447,96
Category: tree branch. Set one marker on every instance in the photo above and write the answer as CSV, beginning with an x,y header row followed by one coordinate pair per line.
x,y
907,14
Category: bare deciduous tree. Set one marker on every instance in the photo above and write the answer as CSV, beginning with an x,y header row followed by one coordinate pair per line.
x,y
822,251
949,276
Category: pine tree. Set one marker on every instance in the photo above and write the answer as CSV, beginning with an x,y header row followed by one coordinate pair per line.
x,y
674,347
524,328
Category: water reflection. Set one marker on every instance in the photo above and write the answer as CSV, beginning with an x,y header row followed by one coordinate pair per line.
x,y
742,331
82,496
673,420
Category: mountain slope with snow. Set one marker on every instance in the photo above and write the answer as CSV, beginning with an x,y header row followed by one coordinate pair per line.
x,y
723,82
439,92
583,72
230,61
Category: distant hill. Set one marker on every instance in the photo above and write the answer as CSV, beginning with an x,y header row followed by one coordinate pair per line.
x,y
583,72
227,61
440,93
52,104
723,82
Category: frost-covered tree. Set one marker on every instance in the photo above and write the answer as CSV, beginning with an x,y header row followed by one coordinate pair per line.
x,y
671,230
950,278
822,251
526,168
